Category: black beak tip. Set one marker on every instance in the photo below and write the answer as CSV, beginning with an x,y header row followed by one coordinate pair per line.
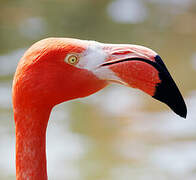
x,y
172,98
183,113
167,91
180,109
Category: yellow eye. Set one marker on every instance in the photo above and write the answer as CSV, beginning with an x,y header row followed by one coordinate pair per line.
x,y
72,59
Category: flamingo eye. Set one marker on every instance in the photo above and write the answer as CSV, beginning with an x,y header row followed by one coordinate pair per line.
x,y
72,59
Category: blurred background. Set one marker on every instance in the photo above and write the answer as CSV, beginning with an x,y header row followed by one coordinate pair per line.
x,y
118,133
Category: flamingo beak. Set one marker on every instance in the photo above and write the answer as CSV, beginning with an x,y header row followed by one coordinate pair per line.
x,y
140,67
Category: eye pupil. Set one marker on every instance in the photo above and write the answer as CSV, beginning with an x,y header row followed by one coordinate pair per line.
x,y
72,59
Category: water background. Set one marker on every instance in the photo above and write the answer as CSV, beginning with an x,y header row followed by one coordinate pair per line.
x,y
118,133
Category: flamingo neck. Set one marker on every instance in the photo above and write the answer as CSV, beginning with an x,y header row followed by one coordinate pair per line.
x,y
31,143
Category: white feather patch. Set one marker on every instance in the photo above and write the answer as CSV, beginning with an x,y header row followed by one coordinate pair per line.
x,y
93,56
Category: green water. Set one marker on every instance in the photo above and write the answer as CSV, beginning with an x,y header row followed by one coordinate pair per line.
x,y
118,133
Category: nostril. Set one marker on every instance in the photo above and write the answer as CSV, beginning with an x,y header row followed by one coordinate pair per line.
x,y
121,52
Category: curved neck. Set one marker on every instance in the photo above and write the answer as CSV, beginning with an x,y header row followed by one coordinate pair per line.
x,y
30,143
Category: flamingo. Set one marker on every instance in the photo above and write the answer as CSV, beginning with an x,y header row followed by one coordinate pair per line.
x,y
55,70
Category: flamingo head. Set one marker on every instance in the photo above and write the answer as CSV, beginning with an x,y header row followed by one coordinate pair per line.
x,y
55,70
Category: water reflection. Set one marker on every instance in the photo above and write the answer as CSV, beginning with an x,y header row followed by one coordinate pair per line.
x,y
117,133
128,11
